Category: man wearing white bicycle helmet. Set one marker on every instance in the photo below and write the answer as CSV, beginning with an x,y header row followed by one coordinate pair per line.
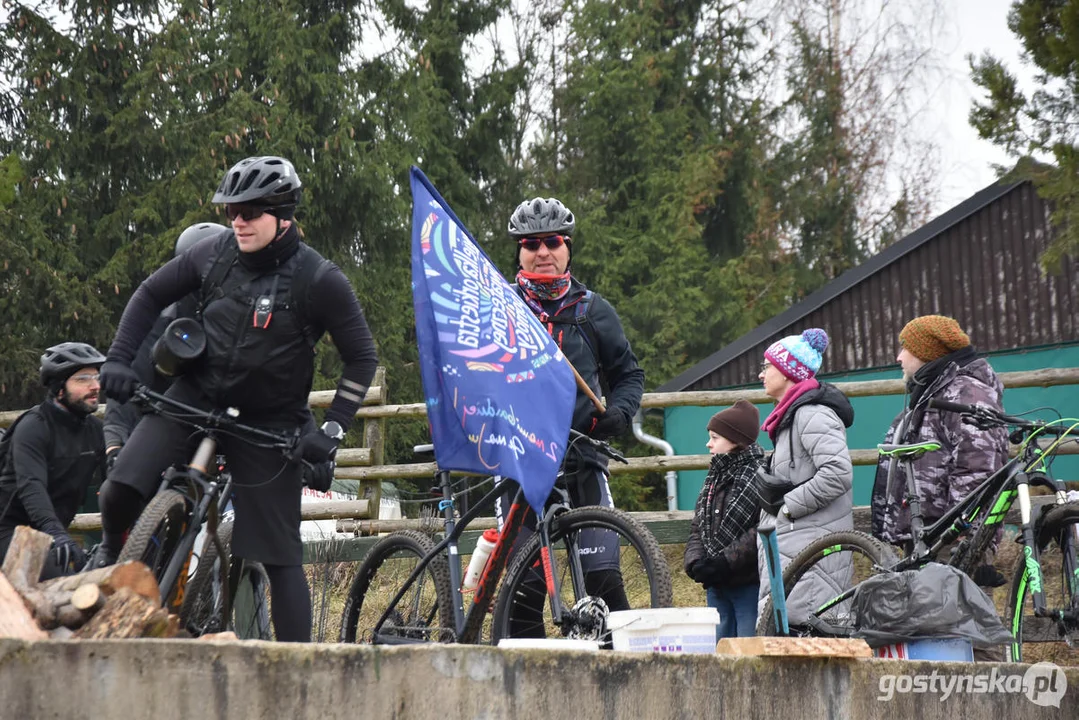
x,y
265,299
52,454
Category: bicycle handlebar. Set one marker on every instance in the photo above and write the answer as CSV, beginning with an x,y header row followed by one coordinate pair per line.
x,y
603,447
993,418
181,412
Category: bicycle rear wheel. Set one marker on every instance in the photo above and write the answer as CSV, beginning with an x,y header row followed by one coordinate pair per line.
x,y
522,608
420,615
1057,536
156,537
833,563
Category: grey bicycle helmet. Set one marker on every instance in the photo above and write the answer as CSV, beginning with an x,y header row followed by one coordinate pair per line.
x,y
540,216
192,235
60,362
269,181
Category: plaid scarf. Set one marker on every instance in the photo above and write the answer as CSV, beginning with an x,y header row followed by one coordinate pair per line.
x,y
732,478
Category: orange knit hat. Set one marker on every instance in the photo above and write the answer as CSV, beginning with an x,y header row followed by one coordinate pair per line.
x,y
931,337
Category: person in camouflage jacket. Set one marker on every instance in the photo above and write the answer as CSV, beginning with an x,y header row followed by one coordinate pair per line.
x,y
938,362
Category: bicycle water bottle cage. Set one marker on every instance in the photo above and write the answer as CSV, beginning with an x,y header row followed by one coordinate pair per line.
x,y
914,450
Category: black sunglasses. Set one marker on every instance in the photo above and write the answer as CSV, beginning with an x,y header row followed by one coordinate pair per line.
x,y
247,212
553,242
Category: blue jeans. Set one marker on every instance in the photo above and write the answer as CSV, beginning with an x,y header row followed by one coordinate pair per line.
x,y
737,608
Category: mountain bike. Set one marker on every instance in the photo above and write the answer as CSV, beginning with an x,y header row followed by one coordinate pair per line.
x,y
408,588
1050,538
190,496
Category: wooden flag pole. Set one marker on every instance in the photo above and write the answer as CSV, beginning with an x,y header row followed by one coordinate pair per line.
x,y
584,387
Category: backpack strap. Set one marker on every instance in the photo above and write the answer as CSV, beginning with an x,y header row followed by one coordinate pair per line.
x,y
582,320
211,284
313,267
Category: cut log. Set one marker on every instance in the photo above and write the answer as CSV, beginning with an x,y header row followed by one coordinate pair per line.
x,y
126,614
26,556
15,618
88,598
132,575
227,635
795,647
71,617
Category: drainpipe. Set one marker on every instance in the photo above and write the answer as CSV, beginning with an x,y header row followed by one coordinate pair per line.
x,y
672,476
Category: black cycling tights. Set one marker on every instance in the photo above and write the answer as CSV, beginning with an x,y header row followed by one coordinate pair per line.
x,y
290,603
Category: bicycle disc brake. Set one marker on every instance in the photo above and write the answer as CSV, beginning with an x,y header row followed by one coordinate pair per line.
x,y
588,619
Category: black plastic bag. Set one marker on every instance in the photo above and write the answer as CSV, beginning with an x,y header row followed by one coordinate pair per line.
x,y
937,601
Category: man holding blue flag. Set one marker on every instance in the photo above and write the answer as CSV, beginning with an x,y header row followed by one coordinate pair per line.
x,y
588,331
499,392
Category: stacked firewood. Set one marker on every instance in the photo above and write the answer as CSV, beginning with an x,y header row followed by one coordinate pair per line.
x,y
120,601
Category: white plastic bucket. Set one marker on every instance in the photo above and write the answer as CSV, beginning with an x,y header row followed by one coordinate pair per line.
x,y
664,630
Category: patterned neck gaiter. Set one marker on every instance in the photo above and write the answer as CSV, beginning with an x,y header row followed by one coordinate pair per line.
x,y
543,287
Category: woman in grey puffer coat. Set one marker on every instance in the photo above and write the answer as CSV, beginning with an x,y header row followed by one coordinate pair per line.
x,y
811,463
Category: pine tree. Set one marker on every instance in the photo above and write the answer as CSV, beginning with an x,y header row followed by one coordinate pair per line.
x,y
1039,123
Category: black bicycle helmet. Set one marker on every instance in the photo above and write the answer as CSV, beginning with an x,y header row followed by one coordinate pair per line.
x,y
541,216
269,181
61,361
192,235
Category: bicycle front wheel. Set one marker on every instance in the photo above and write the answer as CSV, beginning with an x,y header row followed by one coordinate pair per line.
x,y
202,612
638,578
421,613
828,567
1056,573
155,539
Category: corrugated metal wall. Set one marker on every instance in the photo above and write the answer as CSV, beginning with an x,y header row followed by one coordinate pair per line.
x,y
983,271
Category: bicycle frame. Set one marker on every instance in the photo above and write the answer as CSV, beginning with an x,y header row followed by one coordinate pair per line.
x,y
204,495
199,483
1003,487
496,564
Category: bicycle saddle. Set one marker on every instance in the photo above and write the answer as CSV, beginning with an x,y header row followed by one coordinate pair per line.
x,y
912,450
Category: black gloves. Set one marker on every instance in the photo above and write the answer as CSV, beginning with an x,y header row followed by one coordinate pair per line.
x,y
317,448
608,424
710,572
68,554
110,460
118,380
319,476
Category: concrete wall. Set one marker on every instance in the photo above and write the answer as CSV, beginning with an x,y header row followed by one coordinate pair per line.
x,y
169,680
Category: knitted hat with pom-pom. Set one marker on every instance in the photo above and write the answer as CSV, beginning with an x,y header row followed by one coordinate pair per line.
x,y
798,356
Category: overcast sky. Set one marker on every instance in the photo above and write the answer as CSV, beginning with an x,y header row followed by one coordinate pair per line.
x,y
973,26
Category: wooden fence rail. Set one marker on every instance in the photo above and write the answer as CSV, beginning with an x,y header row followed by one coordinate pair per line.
x,y
365,463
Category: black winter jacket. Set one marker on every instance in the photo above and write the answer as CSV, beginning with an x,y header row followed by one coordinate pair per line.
x,y
54,458
617,367
265,373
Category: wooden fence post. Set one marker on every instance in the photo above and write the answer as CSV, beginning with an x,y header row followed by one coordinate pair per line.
x,y
374,438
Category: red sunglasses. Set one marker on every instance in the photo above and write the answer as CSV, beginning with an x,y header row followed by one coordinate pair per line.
x,y
553,242
247,212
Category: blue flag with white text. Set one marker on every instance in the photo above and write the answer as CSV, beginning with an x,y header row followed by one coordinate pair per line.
x,y
499,392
